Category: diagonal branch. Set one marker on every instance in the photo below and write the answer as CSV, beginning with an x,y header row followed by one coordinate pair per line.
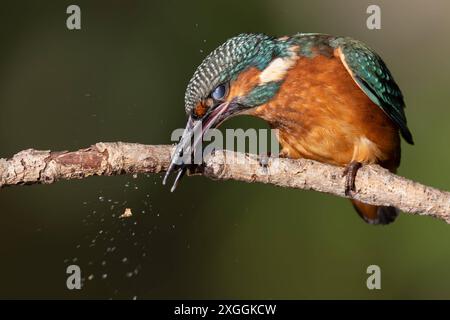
x,y
374,184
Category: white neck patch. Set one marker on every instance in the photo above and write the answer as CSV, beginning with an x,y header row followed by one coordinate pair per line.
x,y
278,68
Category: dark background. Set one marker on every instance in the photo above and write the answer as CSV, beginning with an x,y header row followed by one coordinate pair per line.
x,y
122,77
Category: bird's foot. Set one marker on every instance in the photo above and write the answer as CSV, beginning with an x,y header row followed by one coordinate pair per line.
x,y
284,153
350,172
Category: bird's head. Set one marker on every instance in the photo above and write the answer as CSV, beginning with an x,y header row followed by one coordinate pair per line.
x,y
244,72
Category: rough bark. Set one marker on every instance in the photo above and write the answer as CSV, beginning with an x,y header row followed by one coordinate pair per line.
x,y
374,185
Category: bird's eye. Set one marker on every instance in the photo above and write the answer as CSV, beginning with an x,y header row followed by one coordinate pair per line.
x,y
219,92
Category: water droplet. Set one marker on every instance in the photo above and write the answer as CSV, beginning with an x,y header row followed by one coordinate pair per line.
x,y
91,277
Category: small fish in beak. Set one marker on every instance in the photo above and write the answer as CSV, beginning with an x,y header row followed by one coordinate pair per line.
x,y
189,151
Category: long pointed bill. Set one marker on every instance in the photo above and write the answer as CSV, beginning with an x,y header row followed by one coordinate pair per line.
x,y
189,151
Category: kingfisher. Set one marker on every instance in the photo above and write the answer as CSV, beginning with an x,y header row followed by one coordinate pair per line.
x,y
332,99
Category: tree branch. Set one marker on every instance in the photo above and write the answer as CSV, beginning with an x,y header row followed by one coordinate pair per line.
x,y
374,184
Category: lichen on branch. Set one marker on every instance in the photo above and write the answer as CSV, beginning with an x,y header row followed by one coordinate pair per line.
x,y
374,184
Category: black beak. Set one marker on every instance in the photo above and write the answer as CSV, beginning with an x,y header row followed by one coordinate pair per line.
x,y
189,151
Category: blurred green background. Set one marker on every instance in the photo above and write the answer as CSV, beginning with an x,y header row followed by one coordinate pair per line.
x,y
122,77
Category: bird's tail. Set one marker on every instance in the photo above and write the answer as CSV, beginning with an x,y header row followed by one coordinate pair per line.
x,y
374,214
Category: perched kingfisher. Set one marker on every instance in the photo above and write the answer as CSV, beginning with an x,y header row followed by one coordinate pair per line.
x,y
331,98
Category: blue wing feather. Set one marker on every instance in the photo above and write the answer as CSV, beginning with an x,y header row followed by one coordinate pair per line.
x,y
374,78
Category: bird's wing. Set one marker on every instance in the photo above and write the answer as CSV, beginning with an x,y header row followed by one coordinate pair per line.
x,y
373,77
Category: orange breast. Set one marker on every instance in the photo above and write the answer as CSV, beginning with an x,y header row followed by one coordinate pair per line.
x,y
323,115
